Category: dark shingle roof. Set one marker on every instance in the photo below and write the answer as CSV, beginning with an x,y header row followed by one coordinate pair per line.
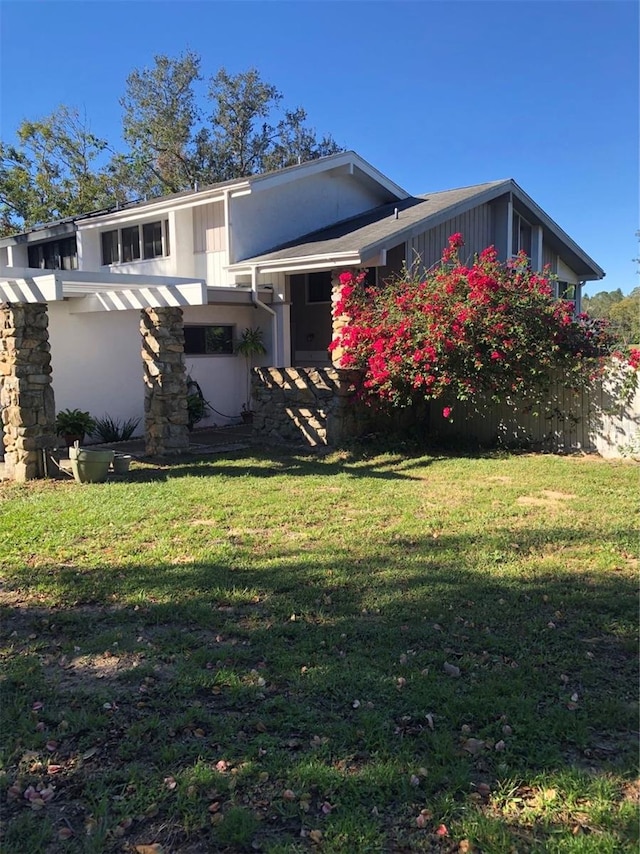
x,y
374,226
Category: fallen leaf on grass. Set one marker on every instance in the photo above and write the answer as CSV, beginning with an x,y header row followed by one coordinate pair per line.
x,y
65,833
451,669
473,745
316,836
442,830
430,722
155,848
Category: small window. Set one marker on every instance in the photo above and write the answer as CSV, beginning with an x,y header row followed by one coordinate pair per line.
x,y
130,243
566,291
110,251
319,287
208,340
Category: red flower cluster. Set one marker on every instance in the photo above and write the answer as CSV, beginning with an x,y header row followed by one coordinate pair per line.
x,y
489,327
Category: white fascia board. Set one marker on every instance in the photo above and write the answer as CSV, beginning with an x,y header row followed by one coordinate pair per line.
x,y
329,164
300,264
23,285
154,209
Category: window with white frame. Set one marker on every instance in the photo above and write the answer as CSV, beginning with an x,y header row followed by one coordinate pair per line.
x,y
132,243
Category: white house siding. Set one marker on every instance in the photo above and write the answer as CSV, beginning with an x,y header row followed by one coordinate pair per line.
x,y
96,361
223,379
269,217
97,364
476,227
209,228
566,274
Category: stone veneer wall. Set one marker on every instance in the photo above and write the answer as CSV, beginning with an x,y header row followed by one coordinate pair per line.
x,y
165,379
26,394
304,406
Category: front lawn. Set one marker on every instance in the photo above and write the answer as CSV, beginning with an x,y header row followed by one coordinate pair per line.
x,y
354,653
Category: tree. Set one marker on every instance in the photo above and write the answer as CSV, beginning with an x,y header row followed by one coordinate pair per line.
x,y
159,120
244,142
623,313
59,168
599,305
171,147
625,318
461,332
53,172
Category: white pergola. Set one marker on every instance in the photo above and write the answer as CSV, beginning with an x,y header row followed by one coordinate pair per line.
x,y
99,291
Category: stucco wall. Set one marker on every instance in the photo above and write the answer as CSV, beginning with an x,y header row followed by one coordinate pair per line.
x,y
97,364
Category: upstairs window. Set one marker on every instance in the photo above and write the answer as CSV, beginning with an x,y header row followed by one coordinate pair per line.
x,y
110,250
54,255
131,243
521,236
208,340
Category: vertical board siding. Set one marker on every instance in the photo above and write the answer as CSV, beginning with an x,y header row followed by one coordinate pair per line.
x,y
594,420
209,228
476,227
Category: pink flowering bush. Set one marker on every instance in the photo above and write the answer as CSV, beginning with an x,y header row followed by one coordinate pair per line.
x,y
463,331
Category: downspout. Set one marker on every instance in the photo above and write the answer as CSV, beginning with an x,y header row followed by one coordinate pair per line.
x,y
274,317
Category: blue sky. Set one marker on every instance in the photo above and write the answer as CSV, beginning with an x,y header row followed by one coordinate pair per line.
x,y
434,94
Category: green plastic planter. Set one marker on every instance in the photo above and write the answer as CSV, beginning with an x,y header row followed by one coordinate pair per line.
x,y
90,466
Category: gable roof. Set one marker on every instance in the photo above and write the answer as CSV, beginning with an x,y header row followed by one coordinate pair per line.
x,y
353,241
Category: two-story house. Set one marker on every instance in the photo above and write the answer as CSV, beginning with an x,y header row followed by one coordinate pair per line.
x,y
258,251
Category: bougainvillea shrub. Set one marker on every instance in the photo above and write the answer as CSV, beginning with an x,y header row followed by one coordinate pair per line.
x,y
460,332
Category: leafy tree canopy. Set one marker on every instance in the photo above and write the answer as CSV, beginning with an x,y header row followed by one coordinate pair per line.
x,y
622,312
179,130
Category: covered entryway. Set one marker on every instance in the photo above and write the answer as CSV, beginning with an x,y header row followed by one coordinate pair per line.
x,y
26,393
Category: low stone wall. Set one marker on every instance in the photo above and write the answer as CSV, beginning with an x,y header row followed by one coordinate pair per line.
x,y
26,394
314,406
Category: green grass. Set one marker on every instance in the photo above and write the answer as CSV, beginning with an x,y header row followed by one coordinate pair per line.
x,y
249,654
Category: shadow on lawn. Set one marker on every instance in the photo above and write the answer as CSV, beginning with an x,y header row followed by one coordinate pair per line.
x,y
283,462
303,670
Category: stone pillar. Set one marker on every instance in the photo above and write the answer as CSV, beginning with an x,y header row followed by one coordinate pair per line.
x,y
26,393
338,321
165,398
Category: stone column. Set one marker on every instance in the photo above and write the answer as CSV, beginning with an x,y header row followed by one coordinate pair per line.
x,y
26,393
338,321
165,399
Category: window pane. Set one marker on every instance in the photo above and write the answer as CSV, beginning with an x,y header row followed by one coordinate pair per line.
x,y
152,239
525,237
35,257
319,287
167,245
69,253
219,339
110,253
130,243
194,340
208,340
